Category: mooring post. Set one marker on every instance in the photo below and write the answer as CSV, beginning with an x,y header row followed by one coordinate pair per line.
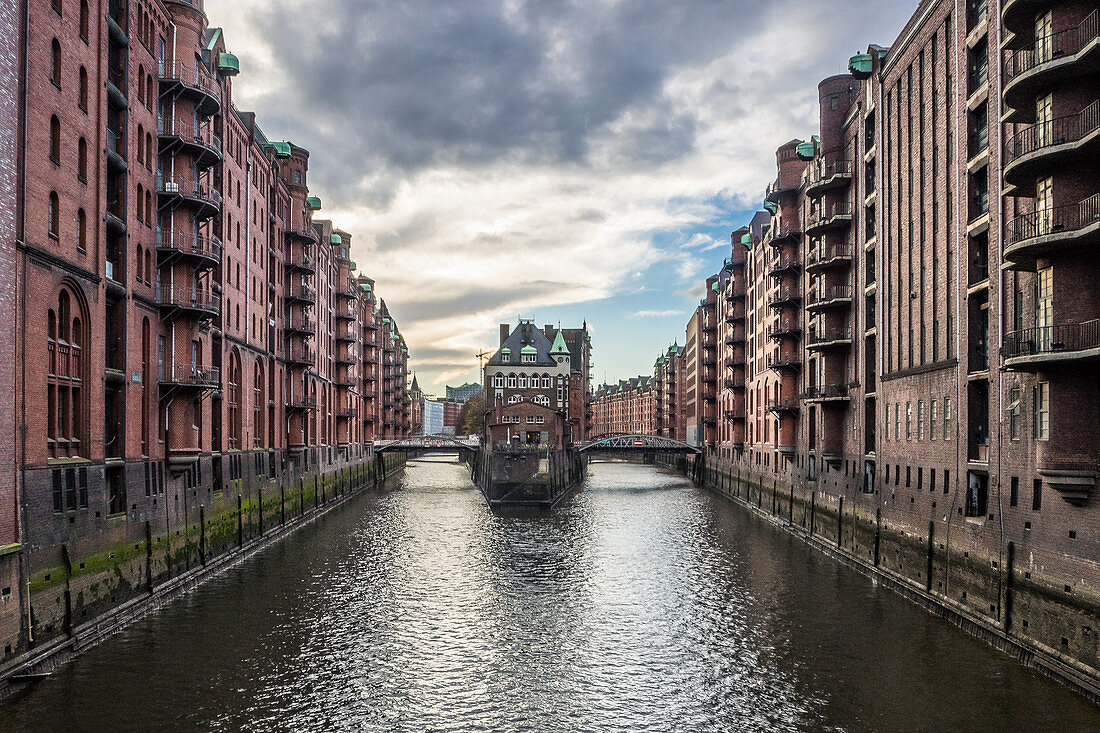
x,y
839,522
202,535
240,524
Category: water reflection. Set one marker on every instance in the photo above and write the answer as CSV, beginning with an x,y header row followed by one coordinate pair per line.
x,y
642,604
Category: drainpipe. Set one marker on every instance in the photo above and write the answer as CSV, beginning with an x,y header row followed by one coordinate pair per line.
x,y
27,632
1000,372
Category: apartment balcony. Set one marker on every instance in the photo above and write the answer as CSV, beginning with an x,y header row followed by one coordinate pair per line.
x,y
784,360
348,313
349,290
299,326
202,251
784,296
736,290
1038,149
783,264
1034,235
300,355
345,381
1035,349
737,414
203,198
735,314
829,171
786,231
298,293
300,262
777,189
784,327
829,296
300,402
828,218
346,337
347,359
301,232
116,151
1018,17
346,413
198,302
1063,55
734,382
175,133
189,376
832,338
827,393
837,255
735,336
783,405
182,79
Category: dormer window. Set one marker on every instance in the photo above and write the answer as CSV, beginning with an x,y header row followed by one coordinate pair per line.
x,y
530,358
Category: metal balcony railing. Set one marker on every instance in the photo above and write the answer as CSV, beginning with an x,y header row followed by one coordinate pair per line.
x,y
189,188
826,391
1058,219
1060,131
189,243
189,132
1067,337
1052,47
190,375
833,252
828,294
186,297
190,77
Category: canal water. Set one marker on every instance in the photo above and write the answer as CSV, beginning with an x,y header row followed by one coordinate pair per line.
x,y
642,604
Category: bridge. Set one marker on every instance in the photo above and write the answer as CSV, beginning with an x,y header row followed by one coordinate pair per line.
x,y
423,444
625,443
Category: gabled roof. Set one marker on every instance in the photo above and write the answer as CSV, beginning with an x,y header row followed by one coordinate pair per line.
x,y
559,346
524,339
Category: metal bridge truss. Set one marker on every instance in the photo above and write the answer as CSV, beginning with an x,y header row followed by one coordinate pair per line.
x,y
421,443
636,444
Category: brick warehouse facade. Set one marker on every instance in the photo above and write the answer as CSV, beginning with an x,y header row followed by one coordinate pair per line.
x,y
916,382
187,335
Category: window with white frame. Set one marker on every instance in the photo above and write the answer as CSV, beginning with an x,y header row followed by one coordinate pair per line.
x,y
546,381
541,399
530,358
515,399
512,381
523,381
498,381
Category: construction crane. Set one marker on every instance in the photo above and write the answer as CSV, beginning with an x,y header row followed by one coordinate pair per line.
x,y
482,357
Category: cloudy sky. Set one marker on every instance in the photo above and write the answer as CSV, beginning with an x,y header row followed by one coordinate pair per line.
x,y
547,159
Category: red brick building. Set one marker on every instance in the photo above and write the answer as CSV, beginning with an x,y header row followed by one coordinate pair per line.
x,y
187,331
627,407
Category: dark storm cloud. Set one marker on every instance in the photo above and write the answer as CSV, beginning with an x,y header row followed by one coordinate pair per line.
x,y
401,87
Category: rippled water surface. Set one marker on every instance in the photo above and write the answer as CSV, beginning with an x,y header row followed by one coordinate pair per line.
x,y
642,604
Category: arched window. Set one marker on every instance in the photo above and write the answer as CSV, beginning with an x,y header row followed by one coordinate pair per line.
x,y
141,143
258,407
65,341
81,230
54,216
515,399
55,63
148,208
149,89
235,427
82,160
140,203
55,140
148,267
82,95
146,359
84,20
140,262
523,381
141,83
512,381
56,6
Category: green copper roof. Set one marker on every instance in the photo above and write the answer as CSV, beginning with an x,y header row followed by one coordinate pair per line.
x,y
386,319
282,149
805,151
861,65
353,266
746,239
336,239
506,351
314,203
714,286
365,287
528,349
228,64
559,346
771,207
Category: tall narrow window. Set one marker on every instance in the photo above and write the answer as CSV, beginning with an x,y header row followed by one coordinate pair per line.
x,y
54,216
82,94
933,416
81,231
1041,411
1014,413
1044,206
1043,121
947,430
56,6
55,63
82,160
84,20
55,140
1044,40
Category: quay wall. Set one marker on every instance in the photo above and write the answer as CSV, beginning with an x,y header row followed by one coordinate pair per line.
x,y
92,580
999,593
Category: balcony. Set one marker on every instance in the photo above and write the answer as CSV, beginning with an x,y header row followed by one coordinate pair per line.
x,y
735,336
350,290
1034,235
300,293
829,171
785,231
1046,146
784,405
1018,17
827,218
179,78
837,255
116,151
199,140
300,402
348,359
299,326
735,415
789,360
300,262
784,327
347,336
830,338
784,296
736,290
1050,59
347,412
203,251
1033,349
203,197
735,313
830,296
203,303
778,189
783,264
189,376
735,382
300,355
347,314
302,231
826,393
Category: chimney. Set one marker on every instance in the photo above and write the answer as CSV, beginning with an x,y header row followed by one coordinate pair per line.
x,y
504,331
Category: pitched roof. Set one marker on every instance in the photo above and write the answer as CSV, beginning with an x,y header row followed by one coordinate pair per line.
x,y
524,339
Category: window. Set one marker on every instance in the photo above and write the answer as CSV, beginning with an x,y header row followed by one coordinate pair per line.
x,y
498,381
1044,308
932,417
82,160
82,94
1043,120
65,339
546,381
1040,410
920,419
1014,492
977,494
54,216
897,421
56,6
55,63
515,399
1037,495
55,140
908,420
81,230
511,381
529,358
84,20
523,381
947,432
1044,205
1014,413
